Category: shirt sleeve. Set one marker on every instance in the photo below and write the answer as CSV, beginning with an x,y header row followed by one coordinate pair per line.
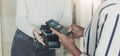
x,y
21,18
109,32
67,13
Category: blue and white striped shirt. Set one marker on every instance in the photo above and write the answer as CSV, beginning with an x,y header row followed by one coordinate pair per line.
x,y
102,36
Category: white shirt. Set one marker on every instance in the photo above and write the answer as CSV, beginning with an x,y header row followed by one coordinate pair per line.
x,y
34,13
102,36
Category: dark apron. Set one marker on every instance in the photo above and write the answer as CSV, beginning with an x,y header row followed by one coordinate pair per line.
x,y
23,45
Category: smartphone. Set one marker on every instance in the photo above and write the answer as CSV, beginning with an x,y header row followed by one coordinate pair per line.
x,y
57,26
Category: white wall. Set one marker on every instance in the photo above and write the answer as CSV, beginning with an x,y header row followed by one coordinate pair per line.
x,y
8,26
84,11
0,39
0,31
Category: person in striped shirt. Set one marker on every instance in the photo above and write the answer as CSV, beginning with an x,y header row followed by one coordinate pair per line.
x,y
101,37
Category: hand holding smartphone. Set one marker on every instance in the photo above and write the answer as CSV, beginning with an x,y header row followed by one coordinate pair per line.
x,y
57,26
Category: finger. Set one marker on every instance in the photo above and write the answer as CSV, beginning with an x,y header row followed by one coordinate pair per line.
x,y
70,29
39,32
41,40
60,40
56,32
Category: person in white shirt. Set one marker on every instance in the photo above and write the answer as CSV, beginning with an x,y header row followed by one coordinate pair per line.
x,y
101,37
30,15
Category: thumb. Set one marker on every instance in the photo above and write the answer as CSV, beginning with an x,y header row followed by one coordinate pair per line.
x,y
56,32
70,29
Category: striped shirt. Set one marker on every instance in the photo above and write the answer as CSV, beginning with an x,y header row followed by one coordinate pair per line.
x,y
102,36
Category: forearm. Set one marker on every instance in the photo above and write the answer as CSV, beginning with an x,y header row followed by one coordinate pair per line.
x,y
72,48
68,43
